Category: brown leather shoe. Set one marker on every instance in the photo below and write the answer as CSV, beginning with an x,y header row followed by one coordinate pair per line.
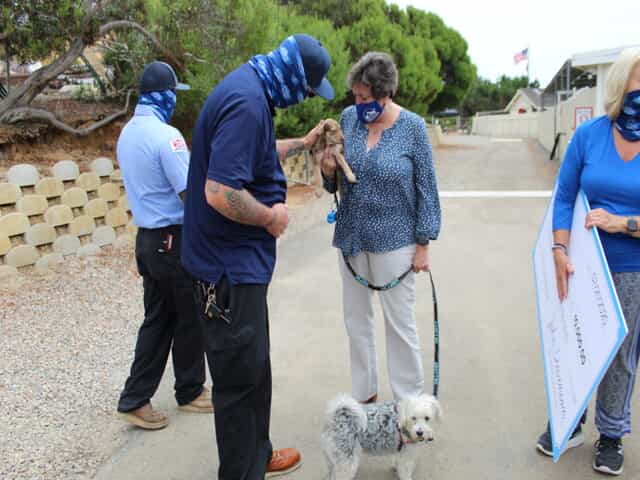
x,y
146,417
200,404
283,461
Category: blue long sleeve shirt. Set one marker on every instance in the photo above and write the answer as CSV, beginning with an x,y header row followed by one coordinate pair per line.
x,y
396,197
593,164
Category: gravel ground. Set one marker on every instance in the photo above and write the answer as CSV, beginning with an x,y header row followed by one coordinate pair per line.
x,y
66,343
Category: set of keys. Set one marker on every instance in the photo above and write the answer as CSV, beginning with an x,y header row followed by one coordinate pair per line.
x,y
211,308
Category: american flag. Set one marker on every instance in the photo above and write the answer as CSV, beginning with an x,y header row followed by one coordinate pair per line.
x,y
520,56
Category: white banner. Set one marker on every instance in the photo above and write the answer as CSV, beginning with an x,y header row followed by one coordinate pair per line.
x,y
581,335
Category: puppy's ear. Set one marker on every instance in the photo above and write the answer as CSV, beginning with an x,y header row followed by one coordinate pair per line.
x,y
403,411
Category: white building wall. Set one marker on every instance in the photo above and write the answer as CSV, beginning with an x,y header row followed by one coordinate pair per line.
x,y
524,125
540,125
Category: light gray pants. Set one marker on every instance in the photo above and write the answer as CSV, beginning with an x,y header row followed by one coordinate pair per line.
x,y
404,361
613,404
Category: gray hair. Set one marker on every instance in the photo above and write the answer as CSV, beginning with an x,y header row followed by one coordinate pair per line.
x,y
377,71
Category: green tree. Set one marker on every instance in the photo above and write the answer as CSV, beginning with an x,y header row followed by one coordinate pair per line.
x,y
62,29
486,95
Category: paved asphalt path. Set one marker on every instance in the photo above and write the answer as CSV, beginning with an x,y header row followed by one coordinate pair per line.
x,y
492,389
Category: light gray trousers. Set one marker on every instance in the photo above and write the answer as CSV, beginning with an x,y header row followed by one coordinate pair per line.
x,y
404,360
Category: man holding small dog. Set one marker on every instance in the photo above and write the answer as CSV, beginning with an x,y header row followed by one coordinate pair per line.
x,y
234,213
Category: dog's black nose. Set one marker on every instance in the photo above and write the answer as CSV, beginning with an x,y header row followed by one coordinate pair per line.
x,y
420,433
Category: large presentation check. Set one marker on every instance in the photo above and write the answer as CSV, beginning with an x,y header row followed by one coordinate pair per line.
x,y
581,335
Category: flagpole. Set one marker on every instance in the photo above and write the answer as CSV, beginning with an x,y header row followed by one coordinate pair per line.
x,y
528,63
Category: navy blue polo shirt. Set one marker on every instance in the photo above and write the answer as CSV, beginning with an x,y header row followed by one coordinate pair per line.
x,y
233,144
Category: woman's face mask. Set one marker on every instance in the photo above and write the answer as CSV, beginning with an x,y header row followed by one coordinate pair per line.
x,y
628,122
369,112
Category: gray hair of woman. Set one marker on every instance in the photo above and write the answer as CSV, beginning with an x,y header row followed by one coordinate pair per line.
x,y
377,71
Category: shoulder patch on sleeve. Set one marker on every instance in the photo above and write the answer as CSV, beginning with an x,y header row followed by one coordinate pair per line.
x,y
178,145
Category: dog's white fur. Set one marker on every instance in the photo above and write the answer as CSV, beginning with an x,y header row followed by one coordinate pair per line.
x,y
377,429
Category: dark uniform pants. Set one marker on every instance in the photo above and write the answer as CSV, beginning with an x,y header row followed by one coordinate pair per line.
x,y
170,323
240,366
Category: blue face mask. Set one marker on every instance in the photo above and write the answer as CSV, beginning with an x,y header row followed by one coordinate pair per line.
x,y
369,112
282,74
162,103
628,122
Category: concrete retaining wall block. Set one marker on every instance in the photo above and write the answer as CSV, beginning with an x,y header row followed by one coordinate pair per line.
x,y
40,234
32,205
66,170
14,224
50,187
58,215
22,256
23,175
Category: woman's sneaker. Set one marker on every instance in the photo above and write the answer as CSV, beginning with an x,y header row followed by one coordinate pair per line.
x,y
545,446
609,455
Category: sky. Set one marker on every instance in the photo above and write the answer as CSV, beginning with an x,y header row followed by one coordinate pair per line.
x,y
553,30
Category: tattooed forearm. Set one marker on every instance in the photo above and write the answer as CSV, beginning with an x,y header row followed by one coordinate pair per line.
x,y
243,208
237,205
213,187
289,148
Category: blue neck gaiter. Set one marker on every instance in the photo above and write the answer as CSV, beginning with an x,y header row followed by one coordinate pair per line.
x,y
162,103
628,122
282,74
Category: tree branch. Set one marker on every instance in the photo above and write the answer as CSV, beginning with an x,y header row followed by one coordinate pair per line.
x,y
124,24
31,114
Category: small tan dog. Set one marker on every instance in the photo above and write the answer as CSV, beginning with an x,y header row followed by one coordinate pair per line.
x,y
330,142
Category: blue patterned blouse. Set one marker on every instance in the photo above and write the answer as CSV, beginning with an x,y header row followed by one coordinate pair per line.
x,y
396,198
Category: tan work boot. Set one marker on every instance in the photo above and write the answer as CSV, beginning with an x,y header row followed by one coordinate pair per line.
x,y
283,461
146,417
200,404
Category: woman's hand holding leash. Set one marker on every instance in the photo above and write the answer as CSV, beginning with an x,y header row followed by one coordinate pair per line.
x,y
421,259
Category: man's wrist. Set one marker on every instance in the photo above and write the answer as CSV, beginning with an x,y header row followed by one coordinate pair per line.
x,y
272,218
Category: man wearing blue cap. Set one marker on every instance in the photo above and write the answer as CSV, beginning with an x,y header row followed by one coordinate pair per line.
x,y
154,161
233,214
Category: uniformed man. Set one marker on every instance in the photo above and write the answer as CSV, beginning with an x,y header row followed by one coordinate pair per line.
x,y
154,160
234,212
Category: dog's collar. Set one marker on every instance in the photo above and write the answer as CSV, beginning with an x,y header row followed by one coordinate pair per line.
x,y
402,442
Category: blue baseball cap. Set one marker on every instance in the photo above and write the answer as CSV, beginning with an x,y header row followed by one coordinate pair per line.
x,y
316,62
159,76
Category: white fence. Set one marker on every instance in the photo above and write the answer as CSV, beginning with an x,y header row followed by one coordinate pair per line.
x,y
525,125
543,126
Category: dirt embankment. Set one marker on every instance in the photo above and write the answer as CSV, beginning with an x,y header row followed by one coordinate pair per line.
x,y
42,146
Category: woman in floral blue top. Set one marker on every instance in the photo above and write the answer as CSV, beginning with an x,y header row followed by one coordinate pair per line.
x,y
384,224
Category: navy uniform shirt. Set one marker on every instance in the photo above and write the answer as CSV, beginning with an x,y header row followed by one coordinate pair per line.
x,y
154,160
233,144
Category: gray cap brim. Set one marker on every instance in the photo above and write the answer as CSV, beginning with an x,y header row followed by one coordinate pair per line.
x,y
182,86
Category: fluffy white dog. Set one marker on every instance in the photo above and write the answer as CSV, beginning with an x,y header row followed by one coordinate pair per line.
x,y
387,428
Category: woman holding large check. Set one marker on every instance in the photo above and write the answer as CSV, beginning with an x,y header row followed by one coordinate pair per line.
x,y
603,159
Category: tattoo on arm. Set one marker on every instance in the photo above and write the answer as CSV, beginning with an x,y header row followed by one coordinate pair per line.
x,y
290,148
213,187
241,207
237,205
